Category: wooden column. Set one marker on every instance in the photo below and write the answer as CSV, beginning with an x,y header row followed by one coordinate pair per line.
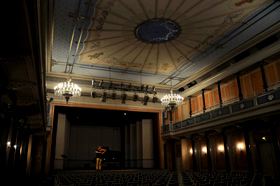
x,y
209,160
224,133
248,151
193,150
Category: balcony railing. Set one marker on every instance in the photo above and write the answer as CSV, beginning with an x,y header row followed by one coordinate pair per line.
x,y
230,107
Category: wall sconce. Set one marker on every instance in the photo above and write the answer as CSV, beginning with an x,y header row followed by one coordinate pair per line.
x,y
240,146
191,151
204,150
9,144
221,148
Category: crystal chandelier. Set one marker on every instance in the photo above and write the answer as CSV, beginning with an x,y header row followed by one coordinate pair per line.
x,y
67,90
171,101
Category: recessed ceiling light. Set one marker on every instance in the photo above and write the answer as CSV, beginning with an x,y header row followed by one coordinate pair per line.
x,y
124,114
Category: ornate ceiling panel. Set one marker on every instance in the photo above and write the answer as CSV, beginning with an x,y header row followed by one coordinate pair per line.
x,y
150,40
158,36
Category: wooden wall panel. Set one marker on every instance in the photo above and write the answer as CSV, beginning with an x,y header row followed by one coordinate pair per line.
x,y
176,116
277,65
206,96
200,103
203,155
227,94
193,102
248,90
217,156
271,74
257,82
233,87
215,94
210,98
185,109
223,95
238,157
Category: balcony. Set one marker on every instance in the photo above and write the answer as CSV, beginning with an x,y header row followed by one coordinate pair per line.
x,y
232,112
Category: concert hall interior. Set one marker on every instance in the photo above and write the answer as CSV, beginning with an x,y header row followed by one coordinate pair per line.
x,y
177,92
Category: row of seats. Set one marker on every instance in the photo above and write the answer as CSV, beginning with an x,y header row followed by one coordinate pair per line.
x,y
202,178
114,178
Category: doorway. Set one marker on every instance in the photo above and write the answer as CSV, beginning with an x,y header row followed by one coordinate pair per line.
x,y
267,157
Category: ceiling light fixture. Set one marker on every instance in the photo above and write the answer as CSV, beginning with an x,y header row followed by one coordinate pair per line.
x,y
171,101
67,90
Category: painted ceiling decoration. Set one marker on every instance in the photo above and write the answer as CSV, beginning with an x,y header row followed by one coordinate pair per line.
x,y
161,40
158,36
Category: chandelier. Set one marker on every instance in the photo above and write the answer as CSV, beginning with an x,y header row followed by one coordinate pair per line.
x,y
171,101
67,90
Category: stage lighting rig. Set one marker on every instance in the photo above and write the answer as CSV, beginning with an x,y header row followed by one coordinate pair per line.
x,y
104,97
114,96
123,98
100,83
155,99
93,94
135,97
146,99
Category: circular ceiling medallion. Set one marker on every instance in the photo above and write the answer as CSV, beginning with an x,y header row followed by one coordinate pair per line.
x,y
157,30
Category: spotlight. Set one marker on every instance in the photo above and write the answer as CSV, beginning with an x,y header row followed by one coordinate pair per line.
x,y
154,88
114,96
103,97
135,97
155,99
101,82
92,83
191,84
146,99
50,100
123,98
93,94
182,89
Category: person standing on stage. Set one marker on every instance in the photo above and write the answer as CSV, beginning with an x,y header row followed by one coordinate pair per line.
x,y
99,155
